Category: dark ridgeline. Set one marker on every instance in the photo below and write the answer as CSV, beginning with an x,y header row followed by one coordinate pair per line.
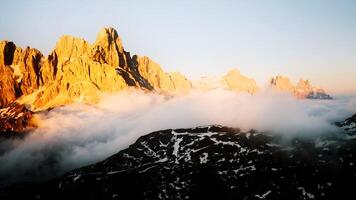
x,y
212,162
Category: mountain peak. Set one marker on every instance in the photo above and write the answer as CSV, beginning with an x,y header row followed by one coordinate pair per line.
x,y
8,49
282,83
302,90
108,48
235,81
109,36
68,46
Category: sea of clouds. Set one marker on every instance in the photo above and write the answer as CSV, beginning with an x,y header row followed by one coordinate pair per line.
x,y
76,135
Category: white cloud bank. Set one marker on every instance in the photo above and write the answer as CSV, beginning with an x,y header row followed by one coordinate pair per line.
x,y
77,135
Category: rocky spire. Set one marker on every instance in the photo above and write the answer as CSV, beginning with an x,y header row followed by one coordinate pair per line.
x,y
8,85
108,48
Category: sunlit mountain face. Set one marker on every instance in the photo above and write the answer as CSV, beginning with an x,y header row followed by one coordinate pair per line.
x,y
90,119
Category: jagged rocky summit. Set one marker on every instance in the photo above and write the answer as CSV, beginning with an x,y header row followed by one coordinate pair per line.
x,y
76,71
303,89
211,162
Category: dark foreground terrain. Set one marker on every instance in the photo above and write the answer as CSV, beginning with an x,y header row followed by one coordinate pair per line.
x,y
212,162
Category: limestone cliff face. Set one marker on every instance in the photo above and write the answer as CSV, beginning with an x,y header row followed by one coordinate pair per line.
x,y
29,64
160,80
235,81
69,47
8,85
19,71
108,49
181,83
302,90
77,71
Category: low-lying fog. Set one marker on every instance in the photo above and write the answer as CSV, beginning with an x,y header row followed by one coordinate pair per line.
x,y
77,135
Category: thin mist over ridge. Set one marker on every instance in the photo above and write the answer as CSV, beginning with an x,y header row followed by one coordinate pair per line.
x,y
76,135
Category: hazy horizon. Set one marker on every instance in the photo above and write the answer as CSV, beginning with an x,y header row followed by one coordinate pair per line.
x,y
314,40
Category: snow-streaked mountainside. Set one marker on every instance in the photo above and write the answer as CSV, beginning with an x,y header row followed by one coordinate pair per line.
x,y
211,162
348,125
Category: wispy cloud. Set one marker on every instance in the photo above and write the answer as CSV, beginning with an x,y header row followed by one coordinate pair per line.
x,y
77,135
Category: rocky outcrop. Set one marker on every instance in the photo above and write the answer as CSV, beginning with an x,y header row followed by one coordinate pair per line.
x,y
30,65
160,80
19,71
108,49
15,118
303,89
232,81
8,84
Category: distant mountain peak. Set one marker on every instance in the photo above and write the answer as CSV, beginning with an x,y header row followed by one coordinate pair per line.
x,y
233,80
303,89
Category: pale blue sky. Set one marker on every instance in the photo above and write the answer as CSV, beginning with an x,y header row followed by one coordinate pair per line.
x,y
314,39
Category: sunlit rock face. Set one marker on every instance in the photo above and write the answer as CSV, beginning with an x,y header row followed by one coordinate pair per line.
x,y
77,71
8,85
160,80
19,71
233,80
237,82
108,49
303,89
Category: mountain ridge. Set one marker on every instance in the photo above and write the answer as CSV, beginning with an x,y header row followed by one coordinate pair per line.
x,y
77,71
302,90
